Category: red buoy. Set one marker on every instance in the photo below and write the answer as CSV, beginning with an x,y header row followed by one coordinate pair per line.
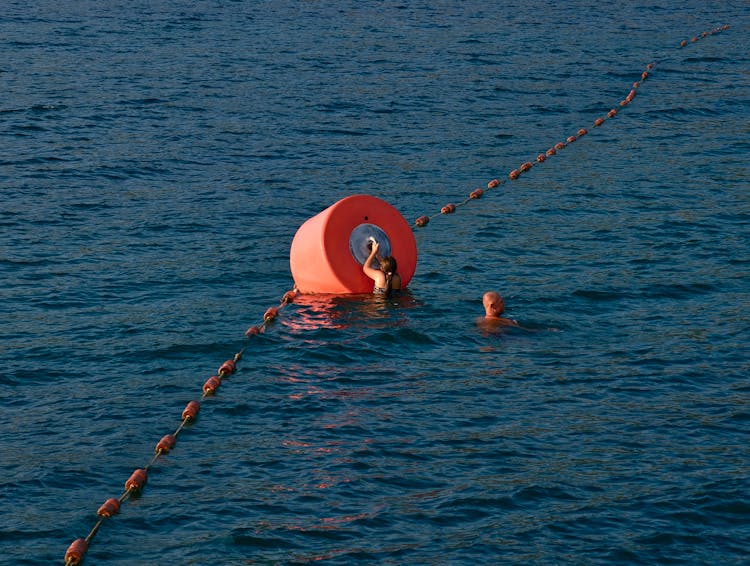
x,y
270,314
252,331
514,174
582,132
448,209
598,121
191,411
612,113
110,507
166,444
571,139
476,193
551,151
329,249
227,368
211,385
137,480
526,166
422,221
541,158
559,146
289,297
75,552
492,184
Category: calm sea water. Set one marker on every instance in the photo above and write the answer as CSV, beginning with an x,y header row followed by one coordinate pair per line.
x,y
156,159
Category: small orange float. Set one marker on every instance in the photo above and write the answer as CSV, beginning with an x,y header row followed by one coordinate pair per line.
x,y
191,411
75,552
166,444
137,480
211,385
270,314
110,507
227,368
329,249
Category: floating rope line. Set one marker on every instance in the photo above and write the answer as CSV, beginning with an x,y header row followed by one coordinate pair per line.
x,y
514,174
137,480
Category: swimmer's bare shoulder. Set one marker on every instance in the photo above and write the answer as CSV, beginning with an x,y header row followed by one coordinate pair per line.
x,y
490,322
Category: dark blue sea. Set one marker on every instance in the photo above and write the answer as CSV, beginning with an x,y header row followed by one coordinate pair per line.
x,y
156,160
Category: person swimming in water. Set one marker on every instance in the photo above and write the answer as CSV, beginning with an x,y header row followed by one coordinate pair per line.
x,y
494,306
386,277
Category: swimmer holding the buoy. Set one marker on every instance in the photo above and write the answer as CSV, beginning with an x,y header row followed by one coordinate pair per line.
x,y
386,278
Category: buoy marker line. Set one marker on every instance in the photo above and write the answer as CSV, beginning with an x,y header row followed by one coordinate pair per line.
x,y
137,480
515,174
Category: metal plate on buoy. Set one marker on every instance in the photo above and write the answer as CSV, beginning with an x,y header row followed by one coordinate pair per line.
x,y
361,238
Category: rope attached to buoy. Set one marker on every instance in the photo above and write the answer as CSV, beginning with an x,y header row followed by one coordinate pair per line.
x,y
137,480
516,173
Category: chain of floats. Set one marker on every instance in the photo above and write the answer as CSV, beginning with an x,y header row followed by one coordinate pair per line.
x,y
137,480
514,174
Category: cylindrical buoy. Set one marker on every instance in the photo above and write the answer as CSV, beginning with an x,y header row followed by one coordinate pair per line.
x,y
109,508
270,314
191,411
211,385
422,221
329,249
166,444
227,367
75,552
136,480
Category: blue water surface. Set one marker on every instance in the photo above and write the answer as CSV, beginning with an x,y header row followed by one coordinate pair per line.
x,y
156,160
